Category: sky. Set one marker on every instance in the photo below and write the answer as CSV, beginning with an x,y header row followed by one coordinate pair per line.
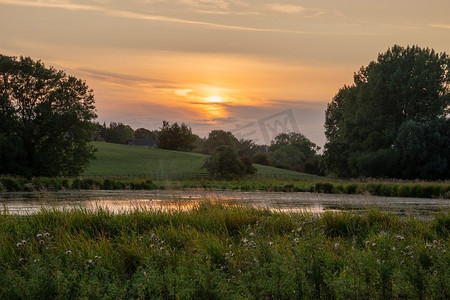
x,y
253,67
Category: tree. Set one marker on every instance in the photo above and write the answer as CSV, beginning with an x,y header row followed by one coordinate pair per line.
x,y
176,137
142,133
45,120
218,138
295,152
224,162
406,89
118,133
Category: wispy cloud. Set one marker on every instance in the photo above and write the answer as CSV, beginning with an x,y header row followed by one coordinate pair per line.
x,y
286,8
442,26
149,17
127,80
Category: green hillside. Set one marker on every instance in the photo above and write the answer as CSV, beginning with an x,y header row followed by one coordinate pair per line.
x,y
120,160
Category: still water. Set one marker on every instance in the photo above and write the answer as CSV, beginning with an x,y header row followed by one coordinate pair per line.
x,y
120,201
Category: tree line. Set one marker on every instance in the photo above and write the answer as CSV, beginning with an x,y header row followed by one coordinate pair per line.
x,y
391,122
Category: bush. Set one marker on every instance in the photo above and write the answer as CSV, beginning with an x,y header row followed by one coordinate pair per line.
x,y
323,187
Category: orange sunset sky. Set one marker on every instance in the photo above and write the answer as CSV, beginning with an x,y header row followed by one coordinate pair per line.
x,y
217,64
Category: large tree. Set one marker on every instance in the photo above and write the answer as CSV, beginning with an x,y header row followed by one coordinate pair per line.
x,y
400,98
117,133
294,151
176,137
45,120
224,162
217,138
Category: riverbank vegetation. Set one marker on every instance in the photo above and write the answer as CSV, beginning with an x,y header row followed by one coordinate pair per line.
x,y
218,252
375,188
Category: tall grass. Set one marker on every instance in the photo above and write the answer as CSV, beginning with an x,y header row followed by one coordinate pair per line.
x,y
218,252
387,189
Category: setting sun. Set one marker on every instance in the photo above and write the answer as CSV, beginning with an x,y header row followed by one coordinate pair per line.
x,y
214,99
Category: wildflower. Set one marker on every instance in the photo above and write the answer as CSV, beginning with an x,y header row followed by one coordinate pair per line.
x,y
97,257
90,261
24,242
296,240
69,251
46,234
18,245
428,246
336,246
393,248
252,234
270,243
299,229
367,242
382,233
22,259
374,244
244,240
39,235
400,238
41,242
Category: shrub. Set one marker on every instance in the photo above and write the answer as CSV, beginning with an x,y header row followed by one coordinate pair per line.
x,y
323,187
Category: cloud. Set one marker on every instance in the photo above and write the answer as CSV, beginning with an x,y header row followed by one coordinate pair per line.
x,y
286,8
122,79
149,17
442,26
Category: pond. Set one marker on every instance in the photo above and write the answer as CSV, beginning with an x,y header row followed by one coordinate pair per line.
x,y
124,200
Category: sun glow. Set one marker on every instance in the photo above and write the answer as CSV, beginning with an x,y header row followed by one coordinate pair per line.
x,y
214,99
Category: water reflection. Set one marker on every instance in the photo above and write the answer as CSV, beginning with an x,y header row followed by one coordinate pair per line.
x,y
122,201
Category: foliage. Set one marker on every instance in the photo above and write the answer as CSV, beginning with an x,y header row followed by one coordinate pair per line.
x,y
222,252
45,120
176,137
217,138
225,162
258,182
117,133
142,133
393,121
295,152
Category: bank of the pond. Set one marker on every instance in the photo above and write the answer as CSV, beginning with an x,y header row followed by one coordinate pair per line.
x,y
217,252
386,189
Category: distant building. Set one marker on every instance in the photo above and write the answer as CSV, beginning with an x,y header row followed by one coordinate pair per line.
x,y
146,143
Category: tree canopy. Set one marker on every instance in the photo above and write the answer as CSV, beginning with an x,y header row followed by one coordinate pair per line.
x,y
45,120
218,138
393,120
225,162
294,151
117,133
176,137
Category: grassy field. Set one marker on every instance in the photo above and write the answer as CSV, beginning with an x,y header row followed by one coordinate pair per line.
x,y
123,160
217,252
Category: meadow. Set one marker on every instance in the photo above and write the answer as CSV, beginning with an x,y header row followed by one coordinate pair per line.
x,y
218,252
123,160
